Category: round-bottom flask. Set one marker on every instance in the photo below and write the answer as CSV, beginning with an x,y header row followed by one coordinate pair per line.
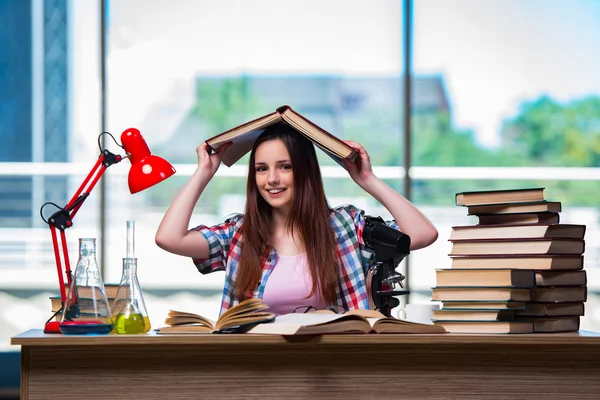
x,y
87,309
129,309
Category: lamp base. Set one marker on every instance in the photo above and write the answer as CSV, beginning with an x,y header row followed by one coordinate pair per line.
x,y
52,327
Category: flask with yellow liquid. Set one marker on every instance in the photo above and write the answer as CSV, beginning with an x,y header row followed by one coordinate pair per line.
x,y
129,309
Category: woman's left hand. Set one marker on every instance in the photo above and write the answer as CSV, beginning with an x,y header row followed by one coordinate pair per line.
x,y
360,170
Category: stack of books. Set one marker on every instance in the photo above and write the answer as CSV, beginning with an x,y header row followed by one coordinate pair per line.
x,y
519,270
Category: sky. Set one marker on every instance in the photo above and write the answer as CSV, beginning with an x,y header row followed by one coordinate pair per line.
x,y
492,54
497,55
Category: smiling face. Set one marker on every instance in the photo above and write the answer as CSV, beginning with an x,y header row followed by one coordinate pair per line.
x,y
274,174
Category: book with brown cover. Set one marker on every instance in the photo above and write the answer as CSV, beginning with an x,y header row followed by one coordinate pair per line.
x,y
243,136
523,261
500,196
483,305
473,315
552,309
517,231
514,208
518,278
519,218
532,246
560,278
559,294
553,324
487,326
480,294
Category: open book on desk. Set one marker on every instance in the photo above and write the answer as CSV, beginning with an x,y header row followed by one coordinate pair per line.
x,y
353,321
237,318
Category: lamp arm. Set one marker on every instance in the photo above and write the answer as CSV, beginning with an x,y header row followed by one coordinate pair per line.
x,y
63,218
149,170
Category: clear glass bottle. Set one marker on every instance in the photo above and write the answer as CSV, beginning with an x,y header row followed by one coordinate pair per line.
x,y
129,309
87,310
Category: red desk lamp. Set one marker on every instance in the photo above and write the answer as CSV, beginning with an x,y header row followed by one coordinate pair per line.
x,y
146,170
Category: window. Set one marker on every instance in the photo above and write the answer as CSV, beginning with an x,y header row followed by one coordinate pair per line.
x,y
494,85
171,76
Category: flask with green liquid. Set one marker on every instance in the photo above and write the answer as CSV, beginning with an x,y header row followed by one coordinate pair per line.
x,y
129,309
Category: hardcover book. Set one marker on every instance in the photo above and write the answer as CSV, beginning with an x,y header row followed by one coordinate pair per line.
x,y
523,261
243,136
487,326
514,208
553,324
544,217
560,278
518,278
473,315
552,309
480,294
242,315
517,231
353,321
559,294
537,246
483,305
499,196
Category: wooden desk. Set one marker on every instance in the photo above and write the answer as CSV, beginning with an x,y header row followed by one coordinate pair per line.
x,y
446,366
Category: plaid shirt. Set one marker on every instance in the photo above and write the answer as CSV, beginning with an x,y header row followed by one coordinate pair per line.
x,y
354,257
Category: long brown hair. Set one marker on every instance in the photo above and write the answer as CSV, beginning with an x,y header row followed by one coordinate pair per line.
x,y
308,217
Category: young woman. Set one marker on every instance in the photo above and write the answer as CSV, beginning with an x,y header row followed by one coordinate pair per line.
x,y
289,247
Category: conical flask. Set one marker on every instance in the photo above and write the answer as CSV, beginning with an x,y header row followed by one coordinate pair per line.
x,y
87,309
129,308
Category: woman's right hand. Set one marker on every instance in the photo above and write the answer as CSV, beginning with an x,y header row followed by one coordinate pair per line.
x,y
210,162
173,233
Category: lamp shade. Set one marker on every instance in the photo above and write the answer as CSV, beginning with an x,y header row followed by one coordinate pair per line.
x,y
146,169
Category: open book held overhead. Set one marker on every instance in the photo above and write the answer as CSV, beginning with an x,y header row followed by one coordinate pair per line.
x,y
243,136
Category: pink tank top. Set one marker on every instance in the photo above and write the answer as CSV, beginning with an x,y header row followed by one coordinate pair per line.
x,y
289,284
